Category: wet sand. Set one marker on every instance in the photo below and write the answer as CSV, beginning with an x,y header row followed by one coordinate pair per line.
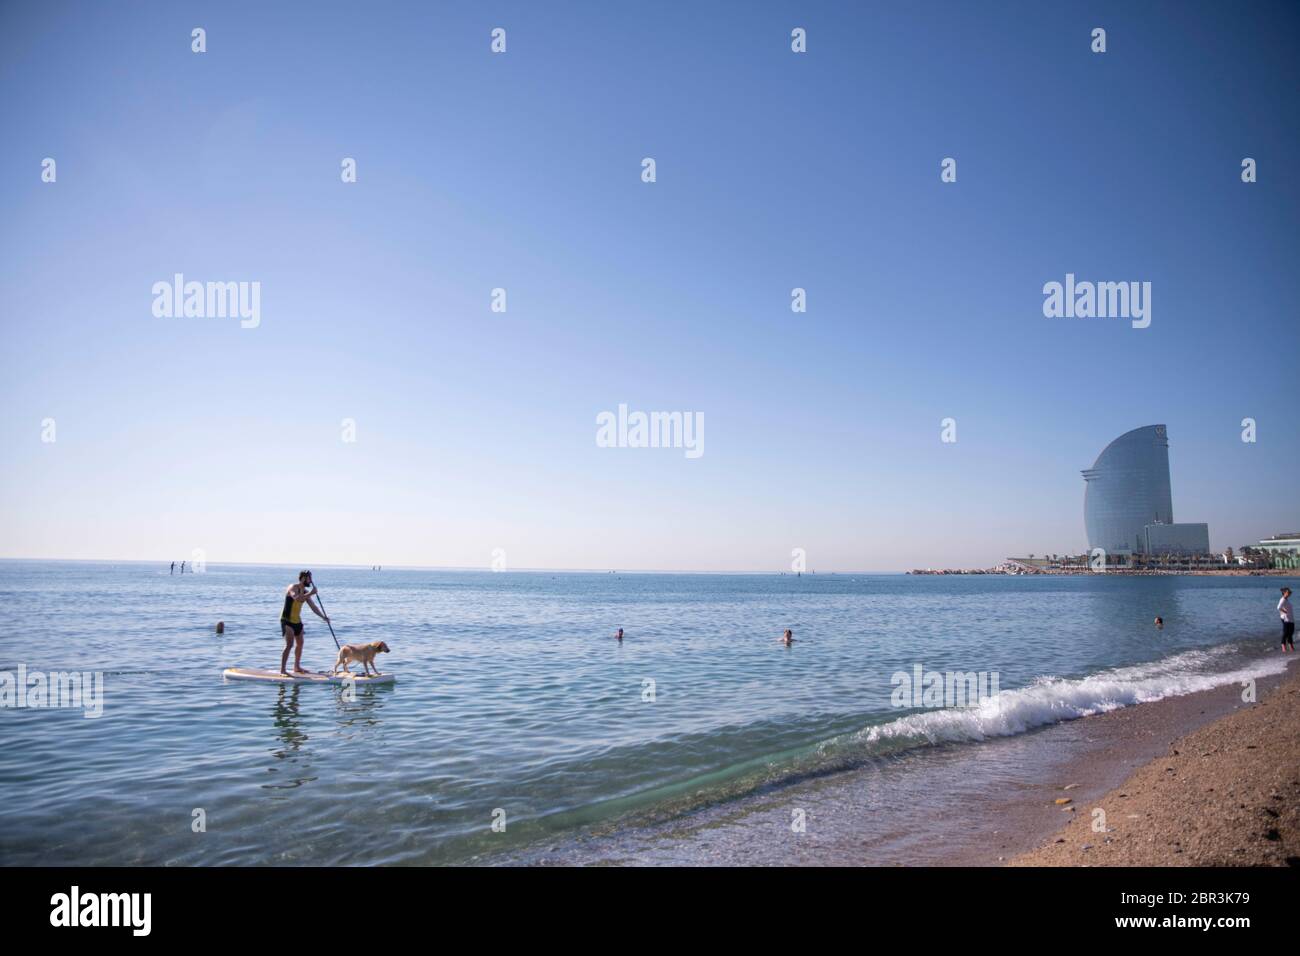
x,y
1086,761
1224,794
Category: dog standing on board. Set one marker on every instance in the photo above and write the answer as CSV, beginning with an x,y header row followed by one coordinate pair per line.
x,y
363,654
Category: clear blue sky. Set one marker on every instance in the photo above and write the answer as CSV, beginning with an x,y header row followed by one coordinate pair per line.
x,y
476,430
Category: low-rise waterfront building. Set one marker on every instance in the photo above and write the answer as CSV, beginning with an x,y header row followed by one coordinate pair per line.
x,y
1283,550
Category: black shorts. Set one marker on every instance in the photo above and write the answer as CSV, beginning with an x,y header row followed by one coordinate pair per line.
x,y
1288,632
297,628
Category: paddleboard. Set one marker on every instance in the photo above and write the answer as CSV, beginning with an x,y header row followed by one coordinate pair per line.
x,y
275,677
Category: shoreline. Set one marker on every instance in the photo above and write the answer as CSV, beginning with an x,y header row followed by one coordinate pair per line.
x,y
1087,761
1224,793
1118,572
960,804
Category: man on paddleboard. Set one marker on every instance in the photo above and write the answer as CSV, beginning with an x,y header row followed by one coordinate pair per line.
x,y
295,595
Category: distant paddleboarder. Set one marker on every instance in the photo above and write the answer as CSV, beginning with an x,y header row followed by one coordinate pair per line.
x,y
295,596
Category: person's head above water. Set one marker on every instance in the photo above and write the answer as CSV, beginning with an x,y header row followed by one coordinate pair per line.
x,y
619,635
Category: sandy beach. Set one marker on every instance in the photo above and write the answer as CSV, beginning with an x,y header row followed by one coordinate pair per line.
x,y
1224,794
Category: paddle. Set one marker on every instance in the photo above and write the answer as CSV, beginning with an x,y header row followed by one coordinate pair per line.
x,y
327,620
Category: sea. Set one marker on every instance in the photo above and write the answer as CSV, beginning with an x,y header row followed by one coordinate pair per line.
x,y
519,730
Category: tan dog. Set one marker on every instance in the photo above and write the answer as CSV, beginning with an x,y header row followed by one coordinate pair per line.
x,y
364,654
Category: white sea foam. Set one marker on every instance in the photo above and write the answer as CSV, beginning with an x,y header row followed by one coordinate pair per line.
x,y
1049,700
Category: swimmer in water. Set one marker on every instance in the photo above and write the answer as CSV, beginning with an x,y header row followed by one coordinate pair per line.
x,y
1160,624
788,637
619,635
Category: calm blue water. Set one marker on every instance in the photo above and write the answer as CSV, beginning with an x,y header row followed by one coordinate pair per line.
x,y
512,695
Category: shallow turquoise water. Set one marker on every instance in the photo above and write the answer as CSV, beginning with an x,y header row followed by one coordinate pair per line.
x,y
512,696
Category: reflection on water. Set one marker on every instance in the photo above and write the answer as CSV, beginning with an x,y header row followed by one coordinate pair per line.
x,y
354,710
286,716
360,706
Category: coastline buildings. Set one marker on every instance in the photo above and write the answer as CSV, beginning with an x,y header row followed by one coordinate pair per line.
x,y
1128,514
1186,538
1128,509
1283,550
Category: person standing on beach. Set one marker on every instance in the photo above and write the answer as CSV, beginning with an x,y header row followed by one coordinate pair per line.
x,y
295,596
1288,621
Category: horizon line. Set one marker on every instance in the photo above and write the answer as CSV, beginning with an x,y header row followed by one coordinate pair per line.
x,y
436,567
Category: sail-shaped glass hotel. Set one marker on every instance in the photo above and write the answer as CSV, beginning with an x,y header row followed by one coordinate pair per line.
x,y
1127,504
